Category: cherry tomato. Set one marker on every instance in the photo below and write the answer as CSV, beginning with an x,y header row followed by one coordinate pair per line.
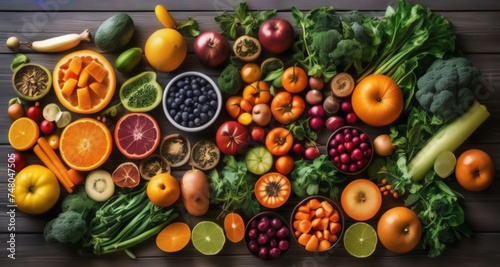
x,y
53,141
250,73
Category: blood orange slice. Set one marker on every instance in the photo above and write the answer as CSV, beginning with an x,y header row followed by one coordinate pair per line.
x,y
85,144
84,81
126,175
137,135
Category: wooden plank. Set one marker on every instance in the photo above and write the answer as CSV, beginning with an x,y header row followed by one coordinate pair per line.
x,y
474,30
29,253
128,5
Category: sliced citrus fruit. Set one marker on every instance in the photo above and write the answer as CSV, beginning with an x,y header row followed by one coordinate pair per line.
x,y
444,165
85,144
234,226
259,160
137,135
360,240
174,237
84,81
23,133
208,237
141,93
126,175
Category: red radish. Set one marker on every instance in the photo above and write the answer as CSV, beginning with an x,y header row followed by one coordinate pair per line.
x,y
316,111
35,112
351,118
314,97
311,152
17,161
47,127
346,107
298,148
316,83
316,123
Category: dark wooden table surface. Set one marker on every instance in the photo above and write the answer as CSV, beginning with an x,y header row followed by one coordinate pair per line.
x,y
476,24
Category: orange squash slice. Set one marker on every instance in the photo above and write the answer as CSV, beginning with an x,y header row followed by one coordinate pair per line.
x,y
84,81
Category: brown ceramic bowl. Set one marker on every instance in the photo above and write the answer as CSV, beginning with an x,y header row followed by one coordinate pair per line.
x,y
267,235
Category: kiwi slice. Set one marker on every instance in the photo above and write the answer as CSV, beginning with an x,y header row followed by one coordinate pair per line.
x,y
99,185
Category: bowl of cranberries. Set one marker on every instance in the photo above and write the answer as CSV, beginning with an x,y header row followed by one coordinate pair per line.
x,y
192,101
350,149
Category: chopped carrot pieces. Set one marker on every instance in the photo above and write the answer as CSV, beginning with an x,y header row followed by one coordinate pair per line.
x,y
304,209
335,227
324,245
320,213
76,65
319,235
324,223
301,216
314,204
335,217
312,244
333,238
69,86
99,89
304,239
327,207
83,79
97,71
304,226
297,233
84,101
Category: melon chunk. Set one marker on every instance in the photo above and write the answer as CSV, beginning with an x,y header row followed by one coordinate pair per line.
x,y
83,79
69,86
97,71
99,89
76,65
84,101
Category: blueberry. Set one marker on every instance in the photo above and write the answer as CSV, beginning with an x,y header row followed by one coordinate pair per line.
x,y
174,105
196,91
179,83
197,122
178,117
205,108
203,81
172,113
189,93
202,99
213,103
191,124
196,111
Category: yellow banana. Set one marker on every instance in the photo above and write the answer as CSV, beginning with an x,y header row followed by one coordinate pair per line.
x,y
59,43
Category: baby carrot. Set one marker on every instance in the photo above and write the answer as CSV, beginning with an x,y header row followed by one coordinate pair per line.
x,y
45,159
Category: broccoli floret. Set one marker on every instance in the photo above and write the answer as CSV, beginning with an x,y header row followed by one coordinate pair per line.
x,y
68,227
81,203
324,43
229,80
324,19
447,88
352,17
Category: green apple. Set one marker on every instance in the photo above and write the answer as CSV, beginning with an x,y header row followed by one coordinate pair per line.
x,y
259,160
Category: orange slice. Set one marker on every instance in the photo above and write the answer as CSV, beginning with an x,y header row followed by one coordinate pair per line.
x,y
78,70
85,144
174,237
234,227
23,133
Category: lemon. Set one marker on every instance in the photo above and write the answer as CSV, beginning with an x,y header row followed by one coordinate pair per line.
x,y
208,237
445,164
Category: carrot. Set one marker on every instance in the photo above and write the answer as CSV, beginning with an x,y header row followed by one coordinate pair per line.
x,y
301,216
320,213
304,226
55,160
324,245
46,160
75,176
304,209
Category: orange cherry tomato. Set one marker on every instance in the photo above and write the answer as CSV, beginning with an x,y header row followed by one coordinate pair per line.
x,y
257,92
284,164
279,141
250,73
53,141
294,79
233,107
287,107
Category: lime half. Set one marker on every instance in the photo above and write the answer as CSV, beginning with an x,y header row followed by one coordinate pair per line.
x,y
208,237
445,164
360,240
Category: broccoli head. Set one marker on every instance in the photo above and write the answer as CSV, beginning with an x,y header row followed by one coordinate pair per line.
x,y
324,19
81,203
68,227
447,88
229,80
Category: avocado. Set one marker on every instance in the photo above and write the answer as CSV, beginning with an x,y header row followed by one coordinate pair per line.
x,y
114,33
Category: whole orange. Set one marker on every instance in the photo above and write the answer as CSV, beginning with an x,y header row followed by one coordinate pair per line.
x,y
475,170
163,190
165,50
399,229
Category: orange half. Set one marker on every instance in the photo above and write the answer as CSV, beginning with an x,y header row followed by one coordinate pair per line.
x,y
23,133
234,227
174,237
85,144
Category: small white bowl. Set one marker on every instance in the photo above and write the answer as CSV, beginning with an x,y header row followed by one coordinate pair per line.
x,y
210,121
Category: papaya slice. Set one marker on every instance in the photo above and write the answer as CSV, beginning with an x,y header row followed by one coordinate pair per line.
x,y
84,81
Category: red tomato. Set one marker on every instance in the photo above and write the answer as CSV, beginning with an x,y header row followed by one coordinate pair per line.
x,y
232,138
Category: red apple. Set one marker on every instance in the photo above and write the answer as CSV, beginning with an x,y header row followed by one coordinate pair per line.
x,y
276,35
211,48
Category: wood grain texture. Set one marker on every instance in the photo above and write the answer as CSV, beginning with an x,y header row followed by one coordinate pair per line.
x,y
474,22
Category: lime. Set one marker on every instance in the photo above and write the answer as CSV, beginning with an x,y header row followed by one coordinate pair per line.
x,y
445,164
360,240
208,237
259,160
141,93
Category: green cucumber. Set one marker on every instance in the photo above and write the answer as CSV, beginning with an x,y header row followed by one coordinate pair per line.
x,y
114,33
129,59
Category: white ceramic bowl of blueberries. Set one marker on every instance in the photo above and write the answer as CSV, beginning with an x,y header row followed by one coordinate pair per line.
x,y
192,101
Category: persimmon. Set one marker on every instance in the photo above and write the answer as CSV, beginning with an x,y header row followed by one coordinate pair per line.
x,y
272,190
279,141
250,72
287,107
399,230
294,79
377,100
233,106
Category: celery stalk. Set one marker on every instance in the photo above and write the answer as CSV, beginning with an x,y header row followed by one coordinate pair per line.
x,y
449,138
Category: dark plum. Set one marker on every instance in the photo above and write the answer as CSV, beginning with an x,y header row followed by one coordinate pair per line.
x,y
263,252
263,226
283,245
270,232
276,223
262,239
275,253
282,232
253,246
253,233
